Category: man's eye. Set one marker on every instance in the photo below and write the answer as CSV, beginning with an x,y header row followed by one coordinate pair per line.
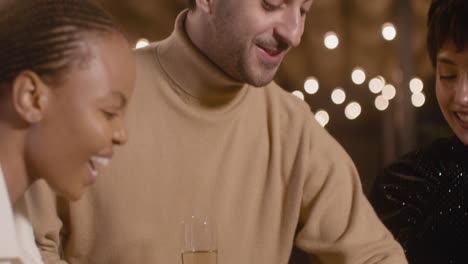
x,y
303,12
270,7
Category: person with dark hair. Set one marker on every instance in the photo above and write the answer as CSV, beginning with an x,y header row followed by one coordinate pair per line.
x,y
66,74
214,136
422,198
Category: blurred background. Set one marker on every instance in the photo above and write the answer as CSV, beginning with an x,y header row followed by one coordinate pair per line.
x,y
362,67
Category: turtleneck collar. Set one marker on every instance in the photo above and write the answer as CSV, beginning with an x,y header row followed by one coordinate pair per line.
x,y
199,80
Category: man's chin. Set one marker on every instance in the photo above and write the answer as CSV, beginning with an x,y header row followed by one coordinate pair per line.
x,y
260,79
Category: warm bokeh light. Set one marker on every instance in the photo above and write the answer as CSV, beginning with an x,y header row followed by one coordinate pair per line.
x,y
416,85
376,84
389,91
358,76
331,40
338,96
311,85
299,94
389,31
418,99
353,110
381,103
142,43
322,117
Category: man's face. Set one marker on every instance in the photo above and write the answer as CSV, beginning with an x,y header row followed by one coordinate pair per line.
x,y
249,38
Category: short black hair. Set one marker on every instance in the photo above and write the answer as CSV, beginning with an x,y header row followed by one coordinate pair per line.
x,y
447,21
44,35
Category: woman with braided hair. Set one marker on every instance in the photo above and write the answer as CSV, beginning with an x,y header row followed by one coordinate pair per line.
x,y
66,75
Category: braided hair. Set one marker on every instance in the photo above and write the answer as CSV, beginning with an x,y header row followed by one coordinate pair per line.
x,y
447,21
45,36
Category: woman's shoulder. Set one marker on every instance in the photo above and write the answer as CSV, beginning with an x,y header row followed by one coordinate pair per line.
x,y
426,169
432,157
450,148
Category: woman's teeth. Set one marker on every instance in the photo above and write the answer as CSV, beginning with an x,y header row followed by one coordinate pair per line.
x,y
463,117
100,160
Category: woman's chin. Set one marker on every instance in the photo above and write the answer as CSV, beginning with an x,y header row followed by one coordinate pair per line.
x,y
72,195
463,137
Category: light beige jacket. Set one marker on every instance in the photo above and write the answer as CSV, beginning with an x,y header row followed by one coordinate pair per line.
x,y
16,235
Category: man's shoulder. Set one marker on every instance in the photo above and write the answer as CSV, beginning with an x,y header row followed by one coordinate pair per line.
x,y
147,51
147,61
285,100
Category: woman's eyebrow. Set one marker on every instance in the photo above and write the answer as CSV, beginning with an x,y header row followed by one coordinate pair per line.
x,y
445,60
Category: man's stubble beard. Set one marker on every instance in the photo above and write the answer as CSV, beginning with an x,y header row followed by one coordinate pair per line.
x,y
232,55
241,64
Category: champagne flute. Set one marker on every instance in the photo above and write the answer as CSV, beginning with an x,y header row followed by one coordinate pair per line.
x,y
199,241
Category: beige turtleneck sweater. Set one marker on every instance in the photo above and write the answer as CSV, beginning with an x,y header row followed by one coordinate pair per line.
x,y
254,159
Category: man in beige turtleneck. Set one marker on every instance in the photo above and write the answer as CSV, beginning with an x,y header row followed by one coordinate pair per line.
x,y
212,135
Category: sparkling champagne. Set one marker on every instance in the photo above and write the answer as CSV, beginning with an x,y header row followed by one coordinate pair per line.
x,y
199,257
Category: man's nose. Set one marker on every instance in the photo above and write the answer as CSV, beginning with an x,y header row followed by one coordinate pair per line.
x,y
291,27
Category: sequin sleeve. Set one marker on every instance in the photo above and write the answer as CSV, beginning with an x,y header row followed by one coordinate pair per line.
x,y
402,199
420,198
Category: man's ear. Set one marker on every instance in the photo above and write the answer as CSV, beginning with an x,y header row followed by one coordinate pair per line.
x,y
29,96
205,5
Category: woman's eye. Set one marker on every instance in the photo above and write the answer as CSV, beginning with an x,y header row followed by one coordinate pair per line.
x,y
448,77
109,115
270,6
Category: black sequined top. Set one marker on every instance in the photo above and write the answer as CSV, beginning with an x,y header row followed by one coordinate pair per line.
x,y
421,199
